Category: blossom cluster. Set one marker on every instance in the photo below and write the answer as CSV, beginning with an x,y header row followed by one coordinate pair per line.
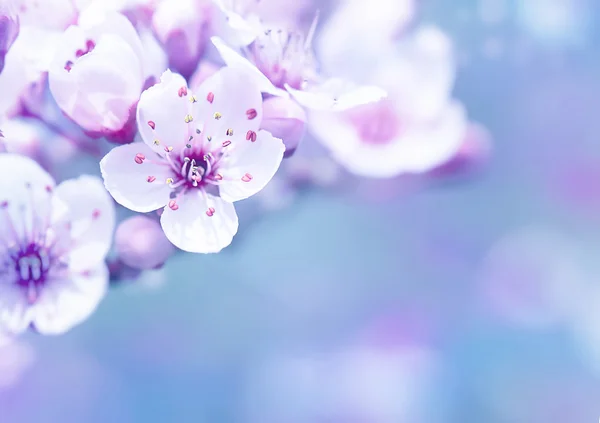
x,y
176,110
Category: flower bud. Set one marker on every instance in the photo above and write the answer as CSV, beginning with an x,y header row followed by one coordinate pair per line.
x,y
285,119
9,29
141,243
99,91
181,28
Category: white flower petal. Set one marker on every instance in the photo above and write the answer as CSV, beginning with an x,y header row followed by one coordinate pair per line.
x,y
232,27
235,103
250,167
64,303
337,95
234,59
192,228
15,315
91,214
26,189
127,181
162,111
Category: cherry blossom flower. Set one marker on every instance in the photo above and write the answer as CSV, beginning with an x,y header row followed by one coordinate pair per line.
x,y
9,29
201,152
182,27
53,241
97,74
416,129
282,62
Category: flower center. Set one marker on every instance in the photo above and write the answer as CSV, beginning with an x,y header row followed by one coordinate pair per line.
x,y
31,265
376,123
284,57
89,47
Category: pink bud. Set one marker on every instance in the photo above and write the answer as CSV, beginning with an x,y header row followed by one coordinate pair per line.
x,y
285,119
180,25
141,243
9,29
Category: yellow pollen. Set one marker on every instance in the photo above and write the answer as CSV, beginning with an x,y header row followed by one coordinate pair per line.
x,y
169,181
229,132
218,115
209,138
156,142
188,118
193,99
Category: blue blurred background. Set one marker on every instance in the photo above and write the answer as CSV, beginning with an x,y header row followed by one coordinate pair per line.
x,y
472,298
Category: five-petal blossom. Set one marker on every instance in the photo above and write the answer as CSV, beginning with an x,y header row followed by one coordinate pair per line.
x,y
201,152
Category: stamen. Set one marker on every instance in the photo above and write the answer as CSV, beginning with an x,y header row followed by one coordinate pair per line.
x,y
210,212
68,66
251,114
247,177
173,205
193,99
151,124
139,158
156,142
151,179
217,115
226,143
169,181
182,91
96,214
188,118
251,136
168,149
210,97
229,132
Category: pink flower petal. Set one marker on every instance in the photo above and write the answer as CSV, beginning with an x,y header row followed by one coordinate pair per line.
x,y
127,181
192,229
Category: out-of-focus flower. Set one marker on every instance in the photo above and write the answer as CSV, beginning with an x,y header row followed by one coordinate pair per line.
x,y
140,243
285,119
97,74
32,138
358,28
281,62
532,277
361,383
182,27
557,22
201,152
414,130
54,240
9,28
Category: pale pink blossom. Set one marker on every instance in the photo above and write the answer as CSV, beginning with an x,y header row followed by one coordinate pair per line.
x,y
182,27
97,74
416,129
282,63
141,244
9,28
53,243
200,153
